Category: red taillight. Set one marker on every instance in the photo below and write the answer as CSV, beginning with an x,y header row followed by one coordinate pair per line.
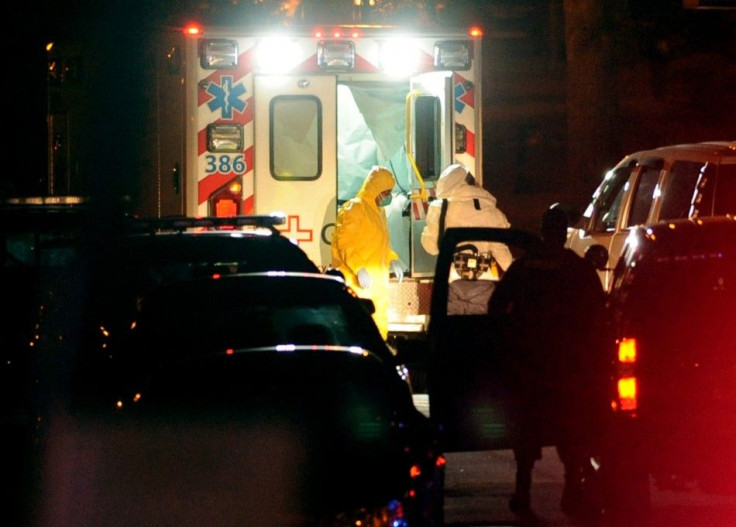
x,y
415,471
626,382
627,350
627,393
226,201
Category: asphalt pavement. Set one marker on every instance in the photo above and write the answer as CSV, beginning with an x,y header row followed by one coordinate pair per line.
x,y
478,486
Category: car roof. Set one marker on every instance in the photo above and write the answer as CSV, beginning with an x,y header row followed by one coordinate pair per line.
x,y
256,250
706,149
179,248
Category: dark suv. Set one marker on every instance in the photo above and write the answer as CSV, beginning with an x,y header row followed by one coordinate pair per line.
x,y
673,395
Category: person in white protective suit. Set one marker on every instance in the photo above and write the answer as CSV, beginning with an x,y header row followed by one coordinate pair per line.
x,y
466,205
361,246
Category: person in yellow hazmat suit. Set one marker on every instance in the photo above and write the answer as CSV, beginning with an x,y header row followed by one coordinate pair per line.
x,y
361,246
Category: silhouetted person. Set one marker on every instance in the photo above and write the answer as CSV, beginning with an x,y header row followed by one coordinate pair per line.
x,y
549,305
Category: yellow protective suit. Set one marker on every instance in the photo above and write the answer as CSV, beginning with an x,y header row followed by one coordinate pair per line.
x,y
361,241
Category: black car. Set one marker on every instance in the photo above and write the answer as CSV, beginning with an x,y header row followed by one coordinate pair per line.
x,y
673,396
159,250
61,254
117,345
251,399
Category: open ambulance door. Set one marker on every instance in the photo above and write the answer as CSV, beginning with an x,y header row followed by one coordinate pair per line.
x,y
429,148
295,157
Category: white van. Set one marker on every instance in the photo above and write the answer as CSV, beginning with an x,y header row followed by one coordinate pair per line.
x,y
671,182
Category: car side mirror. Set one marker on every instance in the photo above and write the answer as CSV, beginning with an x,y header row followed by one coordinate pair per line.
x,y
598,256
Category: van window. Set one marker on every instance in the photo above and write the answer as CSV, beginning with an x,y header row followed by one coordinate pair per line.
x,y
643,197
680,189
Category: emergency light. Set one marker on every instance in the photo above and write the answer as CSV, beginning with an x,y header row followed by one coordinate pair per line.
x,y
219,53
225,138
452,55
336,55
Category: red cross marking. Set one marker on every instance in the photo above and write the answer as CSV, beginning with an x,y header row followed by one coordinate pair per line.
x,y
294,232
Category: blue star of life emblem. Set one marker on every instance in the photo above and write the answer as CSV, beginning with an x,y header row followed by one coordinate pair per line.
x,y
226,97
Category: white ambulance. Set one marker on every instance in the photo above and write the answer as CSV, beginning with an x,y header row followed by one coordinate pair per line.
x,y
291,120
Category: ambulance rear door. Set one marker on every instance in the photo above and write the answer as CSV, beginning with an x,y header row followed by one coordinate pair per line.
x,y
429,144
295,157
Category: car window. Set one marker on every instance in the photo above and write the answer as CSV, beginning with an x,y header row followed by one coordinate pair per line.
x,y
643,196
609,197
680,188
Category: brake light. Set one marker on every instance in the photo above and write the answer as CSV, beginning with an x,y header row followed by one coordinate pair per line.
x,y
626,382
226,201
627,350
627,393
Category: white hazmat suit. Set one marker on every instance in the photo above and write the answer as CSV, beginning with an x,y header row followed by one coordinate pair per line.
x,y
467,206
